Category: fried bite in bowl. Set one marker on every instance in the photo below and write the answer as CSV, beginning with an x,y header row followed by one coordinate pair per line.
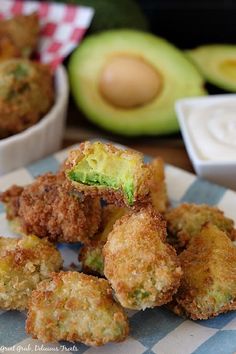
x,y
26,94
157,185
208,285
49,208
19,36
91,255
24,263
76,307
141,267
119,176
186,220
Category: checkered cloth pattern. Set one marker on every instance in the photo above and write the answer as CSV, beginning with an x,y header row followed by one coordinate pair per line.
x,y
153,331
62,26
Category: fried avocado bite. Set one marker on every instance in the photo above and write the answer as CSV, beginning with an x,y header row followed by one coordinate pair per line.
x,y
141,267
186,221
119,176
158,190
208,285
91,255
76,307
50,208
19,36
26,94
24,263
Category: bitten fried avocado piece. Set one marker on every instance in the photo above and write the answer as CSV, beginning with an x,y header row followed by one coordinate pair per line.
x,y
49,208
24,263
26,94
208,285
141,267
119,176
158,190
186,220
19,36
76,307
91,255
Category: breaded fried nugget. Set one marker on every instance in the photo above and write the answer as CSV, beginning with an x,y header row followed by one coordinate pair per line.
x,y
76,307
24,263
49,208
91,254
119,176
26,94
19,36
208,285
186,220
158,191
141,267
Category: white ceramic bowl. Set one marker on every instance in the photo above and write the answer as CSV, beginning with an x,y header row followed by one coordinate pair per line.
x,y
220,172
43,138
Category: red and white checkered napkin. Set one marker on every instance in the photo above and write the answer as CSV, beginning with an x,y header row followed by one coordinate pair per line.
x,y
62,26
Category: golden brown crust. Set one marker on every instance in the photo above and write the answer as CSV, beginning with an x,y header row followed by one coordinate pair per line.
x,y
143,270
76,307
23,264
158,190
186,220
19,36
90,255
141,174
208,285
50,208
28,94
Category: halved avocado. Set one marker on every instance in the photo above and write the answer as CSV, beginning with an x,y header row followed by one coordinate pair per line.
x,y
127,81
217,63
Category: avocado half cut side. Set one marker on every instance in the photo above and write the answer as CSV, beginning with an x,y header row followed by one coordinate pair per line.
x,y
127,81
217,63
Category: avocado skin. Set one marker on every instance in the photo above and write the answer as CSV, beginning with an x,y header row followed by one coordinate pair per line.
x,y
182,79
113,14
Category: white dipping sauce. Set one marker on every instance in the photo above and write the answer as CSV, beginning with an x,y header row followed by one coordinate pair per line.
x,y
213,131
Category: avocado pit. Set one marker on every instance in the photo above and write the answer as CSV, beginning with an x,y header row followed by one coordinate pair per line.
x,y
129,81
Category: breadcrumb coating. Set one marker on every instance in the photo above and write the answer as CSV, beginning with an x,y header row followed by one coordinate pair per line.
x,y
186,220
119,176
19,36
24,263
141,267
91,254
26,94
157,185
50,208
208,285
76,307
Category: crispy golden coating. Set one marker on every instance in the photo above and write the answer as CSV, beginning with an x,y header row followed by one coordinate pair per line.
x,y
141,267
23,264
50,208
186,220
208,285
19,36
117,175
76,307
158,191
91,254
26,94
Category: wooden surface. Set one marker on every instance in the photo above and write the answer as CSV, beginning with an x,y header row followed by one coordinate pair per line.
x,y
170,148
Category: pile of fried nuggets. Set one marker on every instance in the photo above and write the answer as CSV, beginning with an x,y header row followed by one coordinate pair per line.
x,y
137,252
26,86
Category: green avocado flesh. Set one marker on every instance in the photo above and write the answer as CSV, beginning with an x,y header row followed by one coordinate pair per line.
x,y
217,63
179,79
99,168
94,260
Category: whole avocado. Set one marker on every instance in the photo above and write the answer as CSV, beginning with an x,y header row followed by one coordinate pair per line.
x,y
113,14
